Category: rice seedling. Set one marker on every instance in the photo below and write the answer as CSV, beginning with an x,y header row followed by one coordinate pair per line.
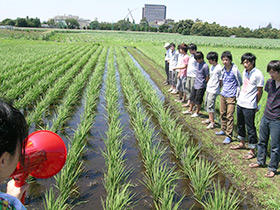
x,y
189,157
166,202
221,199
201,177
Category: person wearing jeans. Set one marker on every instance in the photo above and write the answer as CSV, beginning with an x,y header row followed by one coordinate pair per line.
x,y
231,83
270,122
247,104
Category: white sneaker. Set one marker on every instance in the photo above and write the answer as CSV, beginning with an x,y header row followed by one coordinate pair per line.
x,y
170,90
210,126
174,91
194,115
205,121
187,112
178,100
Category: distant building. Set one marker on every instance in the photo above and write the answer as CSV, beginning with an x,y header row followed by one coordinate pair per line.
x,y
61,19
161,22
153,12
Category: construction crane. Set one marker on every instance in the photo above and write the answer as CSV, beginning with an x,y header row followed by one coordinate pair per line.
x,y
130,14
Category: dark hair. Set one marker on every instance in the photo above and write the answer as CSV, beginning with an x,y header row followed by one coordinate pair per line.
x,y
172,44
184,47
249,57
274,65
192,46
226,54
198,55
212,56
13,128
178,47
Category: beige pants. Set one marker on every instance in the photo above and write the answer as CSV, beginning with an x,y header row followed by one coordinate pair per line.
x,y
227,108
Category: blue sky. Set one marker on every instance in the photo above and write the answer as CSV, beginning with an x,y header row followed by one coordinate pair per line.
x,y
249,13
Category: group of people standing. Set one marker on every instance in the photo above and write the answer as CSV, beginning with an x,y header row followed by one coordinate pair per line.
x,y
189,78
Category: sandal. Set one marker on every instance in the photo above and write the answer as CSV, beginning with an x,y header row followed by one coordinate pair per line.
x,y
270,174
255,165
237,147
249,156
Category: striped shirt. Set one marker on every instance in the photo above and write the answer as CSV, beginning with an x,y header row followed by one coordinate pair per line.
x,y
272,108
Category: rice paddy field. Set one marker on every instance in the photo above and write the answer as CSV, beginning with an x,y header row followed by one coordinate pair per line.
x,y
128,145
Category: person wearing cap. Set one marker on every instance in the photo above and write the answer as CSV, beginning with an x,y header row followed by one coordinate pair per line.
x,y
166,59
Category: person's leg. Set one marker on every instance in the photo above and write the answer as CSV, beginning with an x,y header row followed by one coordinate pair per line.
x,y
192,99
223,113
188,90
230,101
264,133
167,71
199,99
274,126
184,89
249,115
211,107
240,127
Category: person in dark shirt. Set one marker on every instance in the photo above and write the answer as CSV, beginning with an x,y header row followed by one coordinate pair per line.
x,y
270,122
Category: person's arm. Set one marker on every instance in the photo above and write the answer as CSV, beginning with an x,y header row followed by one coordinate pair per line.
x,y
259,94
207,79
221,83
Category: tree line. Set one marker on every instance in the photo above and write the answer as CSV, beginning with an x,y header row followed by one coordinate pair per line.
x,y
184,27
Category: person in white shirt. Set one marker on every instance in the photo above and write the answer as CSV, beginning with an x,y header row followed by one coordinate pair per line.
x,y
173,62
247,104
213,88
166,60
191,73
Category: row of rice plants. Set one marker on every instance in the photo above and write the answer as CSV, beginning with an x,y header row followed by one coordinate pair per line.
x,y
57,89
22,81
117,187
178,138
34,53
44,83
200,171
66,188
72,94
15,75
158,177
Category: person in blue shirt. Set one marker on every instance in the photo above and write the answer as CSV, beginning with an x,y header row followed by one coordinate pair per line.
x,y
231,83
13,132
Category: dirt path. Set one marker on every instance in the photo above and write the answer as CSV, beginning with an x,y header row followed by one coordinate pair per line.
x,y
262,191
